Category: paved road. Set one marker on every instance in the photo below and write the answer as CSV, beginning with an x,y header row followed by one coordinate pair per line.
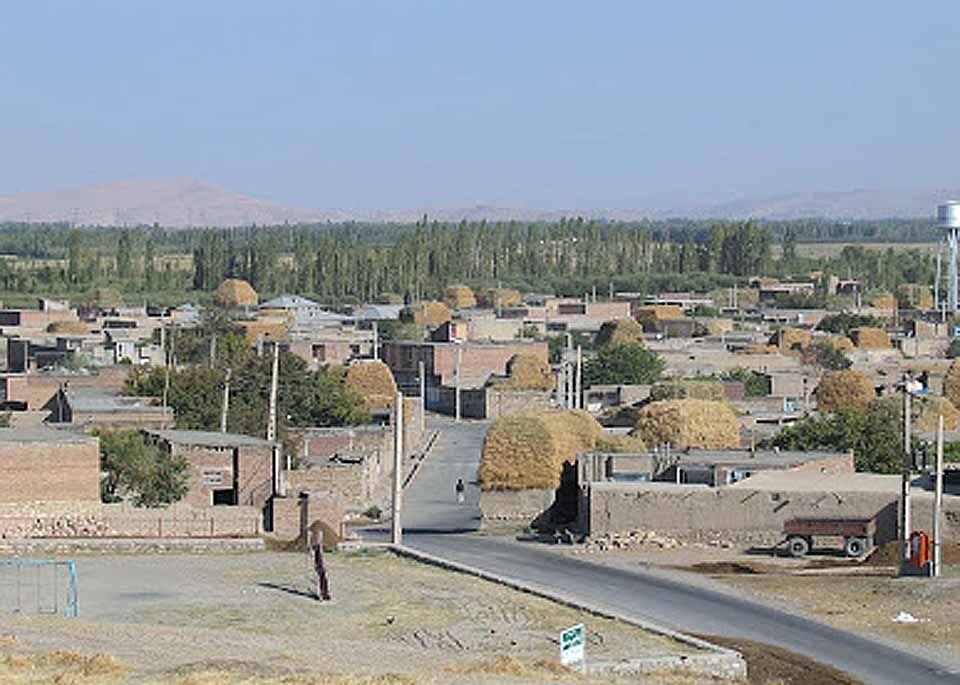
x,y
435,523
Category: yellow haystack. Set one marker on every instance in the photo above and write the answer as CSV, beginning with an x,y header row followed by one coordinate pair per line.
x,y
529,450
235,293
844,390
374,382
719,326
759,349
914,296
459,297
929,408
501,298
275,328
790,340
837,342
951,383
525,372
68,328
688,423
620,332
651,317
104,298
884,301
867,338
621,444
431,314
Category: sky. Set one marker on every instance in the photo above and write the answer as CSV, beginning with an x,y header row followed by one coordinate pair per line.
x,y
363,105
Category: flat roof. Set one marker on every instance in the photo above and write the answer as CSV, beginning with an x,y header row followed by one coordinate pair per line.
x,y
96,400
814,481
42,434
208,438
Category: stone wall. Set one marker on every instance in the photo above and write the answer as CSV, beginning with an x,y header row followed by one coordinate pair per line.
x,y
95,520
515,505
295,514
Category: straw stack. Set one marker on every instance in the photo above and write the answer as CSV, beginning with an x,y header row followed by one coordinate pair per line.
x,y
459,297
759,349
621,444
719,326
951,383
235,292
427,313
867,338
914,296
620,332
688,390
529,450
929,408
884,301
790,339
372,381
494,298
844,390
688,423
525,372
68,328
651,317
837,342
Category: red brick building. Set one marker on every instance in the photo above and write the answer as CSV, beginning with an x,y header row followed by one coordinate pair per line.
x,y
45,465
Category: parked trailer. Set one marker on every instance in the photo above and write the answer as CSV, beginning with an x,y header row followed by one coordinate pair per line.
x,y
857,534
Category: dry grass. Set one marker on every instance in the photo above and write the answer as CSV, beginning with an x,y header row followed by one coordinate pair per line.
x,y
789,340
508,665
652,316
528,450
525,372
884,301
914,296
621,444
235,292
459,297
620,332
951,383
719,326
374,382
688,389
61,668
69,328
688,423
838,342
429,313
929,408
844,390
759,349
867,338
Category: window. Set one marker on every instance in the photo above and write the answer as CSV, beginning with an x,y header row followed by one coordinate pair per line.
x,y
224,498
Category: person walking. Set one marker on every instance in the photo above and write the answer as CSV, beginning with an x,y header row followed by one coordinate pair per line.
x,y
459,488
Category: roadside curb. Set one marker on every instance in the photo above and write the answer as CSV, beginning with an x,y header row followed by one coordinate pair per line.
x,y
720,662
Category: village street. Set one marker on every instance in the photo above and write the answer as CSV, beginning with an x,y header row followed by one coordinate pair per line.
x,y
436,524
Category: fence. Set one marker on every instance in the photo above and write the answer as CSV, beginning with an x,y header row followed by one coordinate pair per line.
x,y
38,586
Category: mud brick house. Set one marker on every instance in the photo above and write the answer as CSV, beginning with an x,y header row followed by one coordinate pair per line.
x,y
91,408
45,465
226,469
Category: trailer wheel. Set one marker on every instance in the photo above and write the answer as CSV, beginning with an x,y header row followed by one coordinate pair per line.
x,y
855,547
798,546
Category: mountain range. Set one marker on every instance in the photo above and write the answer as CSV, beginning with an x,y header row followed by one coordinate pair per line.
x,y
183,202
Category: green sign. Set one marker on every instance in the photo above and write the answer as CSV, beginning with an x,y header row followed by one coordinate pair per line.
x,y
572,643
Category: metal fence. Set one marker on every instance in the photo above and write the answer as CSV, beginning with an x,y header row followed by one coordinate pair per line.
x,y
38,586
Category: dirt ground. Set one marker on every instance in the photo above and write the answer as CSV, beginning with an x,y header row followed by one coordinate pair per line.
x,y
860,597
217,619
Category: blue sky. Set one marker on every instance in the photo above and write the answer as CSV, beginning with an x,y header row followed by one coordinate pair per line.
x,y
366,105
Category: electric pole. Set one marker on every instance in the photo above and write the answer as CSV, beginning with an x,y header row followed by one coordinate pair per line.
x,y
272,420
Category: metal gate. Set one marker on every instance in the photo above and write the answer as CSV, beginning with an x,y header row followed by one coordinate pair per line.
x,y
38,586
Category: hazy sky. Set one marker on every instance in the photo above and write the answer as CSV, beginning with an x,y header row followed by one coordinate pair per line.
x,y
553,104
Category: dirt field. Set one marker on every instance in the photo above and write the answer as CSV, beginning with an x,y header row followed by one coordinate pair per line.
x,y
207,620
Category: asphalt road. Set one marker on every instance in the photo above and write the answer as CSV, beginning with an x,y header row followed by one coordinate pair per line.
x,y
435,523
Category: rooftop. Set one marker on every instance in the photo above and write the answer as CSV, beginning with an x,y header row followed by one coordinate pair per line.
x,y
96,400
42,434
208,438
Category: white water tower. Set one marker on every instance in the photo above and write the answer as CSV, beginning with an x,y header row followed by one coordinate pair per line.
x,y
948,220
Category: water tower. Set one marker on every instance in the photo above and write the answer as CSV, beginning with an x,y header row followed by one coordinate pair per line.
x,y
948,219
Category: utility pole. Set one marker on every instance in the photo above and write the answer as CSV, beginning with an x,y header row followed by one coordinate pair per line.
x,y
376,342
423,395
578,399
225,405
457,390
907,469
213,350
562,385
396,529
938,499
275,372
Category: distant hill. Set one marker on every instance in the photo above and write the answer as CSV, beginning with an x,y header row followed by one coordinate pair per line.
x,y
173,203
183,202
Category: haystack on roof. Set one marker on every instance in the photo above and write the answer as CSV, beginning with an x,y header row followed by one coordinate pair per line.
x,y
688,390
929,408
759,349
526,372
427,313
951,383
374,382
884,301
275,328
459,297
838,342
718,326
500,298
790,339
235,292
867,338
651,317
844,390
914,296
528,450
620,332
68,328
688,423
621,444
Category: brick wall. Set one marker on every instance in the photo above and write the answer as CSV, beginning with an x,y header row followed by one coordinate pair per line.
x,y
294,515
248,468
39,390
50,471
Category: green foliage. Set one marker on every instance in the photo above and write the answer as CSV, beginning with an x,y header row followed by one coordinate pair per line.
x,y
705,310
136,469
556,344
754,384
826,357
399,330
951,451
842,323
623,364
875,435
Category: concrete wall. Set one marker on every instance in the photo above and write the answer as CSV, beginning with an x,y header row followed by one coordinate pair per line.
x,y
247,468
515,505
49,470
490,403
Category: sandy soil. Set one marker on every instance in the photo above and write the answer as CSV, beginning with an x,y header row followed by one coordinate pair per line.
x,y
251,618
